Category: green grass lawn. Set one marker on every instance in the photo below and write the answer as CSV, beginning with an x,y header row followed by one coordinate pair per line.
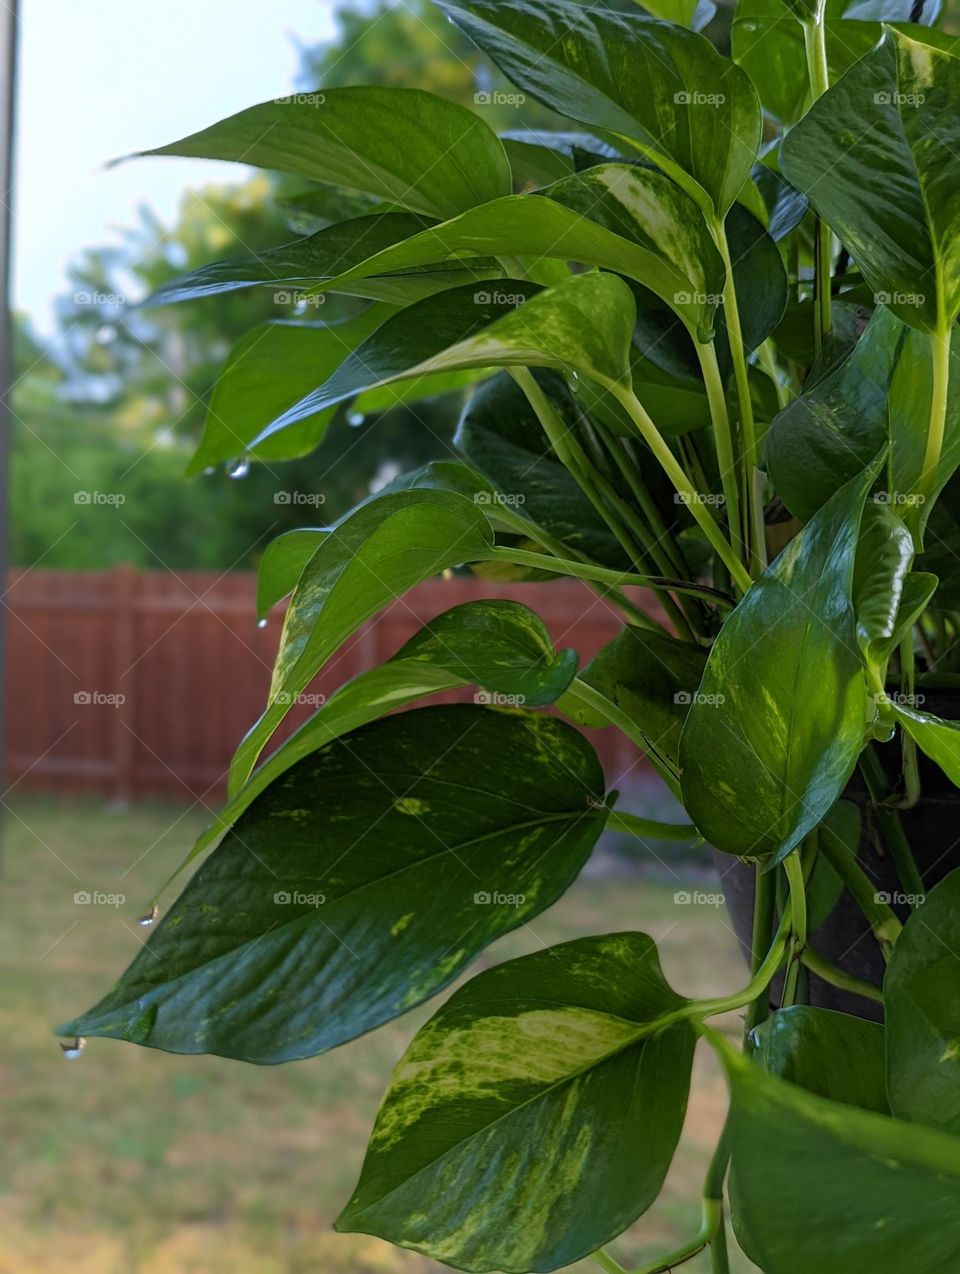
x,y
129,1160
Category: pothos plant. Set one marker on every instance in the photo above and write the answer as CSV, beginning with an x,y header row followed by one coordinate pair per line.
x,y
706,327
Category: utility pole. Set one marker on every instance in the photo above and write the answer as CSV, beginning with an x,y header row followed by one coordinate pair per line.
x,y
8,95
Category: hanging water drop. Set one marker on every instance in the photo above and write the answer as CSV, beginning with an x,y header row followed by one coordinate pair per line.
x,y
239,469
261,623
209,470
72,1051
150,916
355,418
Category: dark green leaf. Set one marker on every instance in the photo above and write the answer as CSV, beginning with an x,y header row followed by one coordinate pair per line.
x,y
663,90
535,1116
399,144
779,721
891,201
830,1054
361,883
500,434
826,1187
940,740
921,996
653,679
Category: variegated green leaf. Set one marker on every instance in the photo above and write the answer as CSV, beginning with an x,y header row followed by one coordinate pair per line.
x,y
584,324
663,90
874,155
360,883
535,1116
368,559
624,218
779,720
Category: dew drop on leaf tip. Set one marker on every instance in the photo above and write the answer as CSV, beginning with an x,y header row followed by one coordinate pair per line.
x,y
71,1051
239,468
261,623
149,917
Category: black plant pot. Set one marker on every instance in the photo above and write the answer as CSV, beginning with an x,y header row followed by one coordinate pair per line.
x,y
933,829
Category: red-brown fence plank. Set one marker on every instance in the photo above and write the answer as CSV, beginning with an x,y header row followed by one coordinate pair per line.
x,y
136,684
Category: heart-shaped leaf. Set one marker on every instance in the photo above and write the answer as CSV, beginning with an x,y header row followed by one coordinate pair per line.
x,y
400,144
874,155
664,90
922,1009
536,1115
365,879
779,720
824,1186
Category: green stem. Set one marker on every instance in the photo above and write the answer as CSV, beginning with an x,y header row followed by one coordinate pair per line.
x,y
723,439
757,985
768,362
911,764
889,823
815,43
606,1262
798,923
581,692
622,822
693,498
711,1222
884,925
829,972
764,906
630,533
940,357
753,515
602,575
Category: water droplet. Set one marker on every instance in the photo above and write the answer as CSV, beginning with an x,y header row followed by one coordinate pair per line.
x,y
150,917
261,623
356,419
72,1051
209,470
239,469
749,26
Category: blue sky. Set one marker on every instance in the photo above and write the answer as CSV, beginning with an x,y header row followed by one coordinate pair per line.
x,y
101,79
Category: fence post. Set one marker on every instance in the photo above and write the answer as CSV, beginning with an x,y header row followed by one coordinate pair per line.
x,y
124,648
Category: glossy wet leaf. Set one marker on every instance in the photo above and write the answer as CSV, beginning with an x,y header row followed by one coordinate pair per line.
x,y
583,324
364,879
830,1054
778,722
295,267
829,434
500,646
940,740
826,1187
535,1116
650,84
758,275
403,145
268,371
368,559
922,1006
874,156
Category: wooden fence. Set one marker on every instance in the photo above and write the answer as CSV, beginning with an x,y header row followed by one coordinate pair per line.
x,y
136,684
